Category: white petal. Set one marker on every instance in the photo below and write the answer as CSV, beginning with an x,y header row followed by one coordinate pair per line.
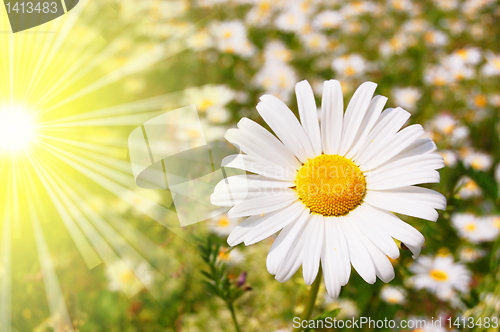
x,y
388,124
291,262
335,258
361,219
419,147
233,190
372,114
332,114
249,183
270,141
398,229
238,234
274,224
408,178
252,145
340,248
405,172
330,276
355,113
278,249
398,143
309,114
285,240
358,254
313,247
262,205
257,165
383,267
286,126
412,201
428,160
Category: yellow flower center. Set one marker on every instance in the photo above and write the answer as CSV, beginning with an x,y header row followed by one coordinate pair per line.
x,y
223,254
223,222
205,104
471,185
393,300
480,100
127,277
265,6
463,53
330,185
438,275
476,164
349,71
496,63
470,227
496,222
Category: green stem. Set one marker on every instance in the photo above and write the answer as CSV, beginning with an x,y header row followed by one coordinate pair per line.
x,y
311,299
233,314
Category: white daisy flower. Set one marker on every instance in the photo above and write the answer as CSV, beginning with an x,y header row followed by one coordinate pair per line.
x,y
129,276
473,228
435,37
393,295
276,51
332,191
350,65
314,42
328,19
221,224
349,308
450,157
494,225
231,37
275,78
438,75
354,9
471,7
459,134
444,123
218,115
415,25
446,4
470,254
402,5
200,41
440,275
492,65
495,100
469,55
478,160
262,12
397,44
208,96
468,188
231,257
292,20
406,97
458,69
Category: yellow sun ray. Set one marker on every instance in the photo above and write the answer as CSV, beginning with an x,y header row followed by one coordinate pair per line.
x,y
57,72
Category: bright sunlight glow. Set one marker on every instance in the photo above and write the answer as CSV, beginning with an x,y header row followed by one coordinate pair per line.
x,y
16,129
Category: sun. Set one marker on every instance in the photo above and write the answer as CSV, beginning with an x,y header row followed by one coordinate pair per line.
x,y
16,129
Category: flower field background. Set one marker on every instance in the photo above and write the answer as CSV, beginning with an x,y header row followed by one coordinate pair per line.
x,y
439,60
